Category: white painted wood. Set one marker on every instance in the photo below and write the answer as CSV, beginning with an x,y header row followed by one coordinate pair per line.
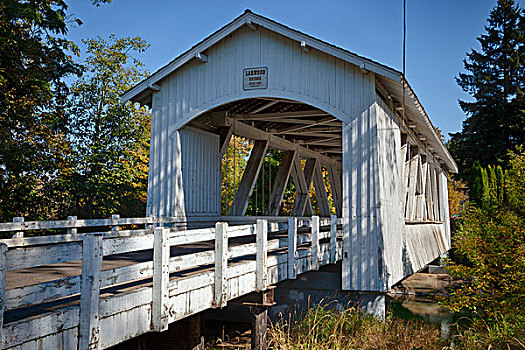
x,y
72,231
191,261
66,238
26,330
262,255
48,291
24,257
18,234
412,185
122,309
333,239
292,247
63,224
200,174
392,254
161,275
121,245
221,264
3,271
443,203
114,221
88,333
315,242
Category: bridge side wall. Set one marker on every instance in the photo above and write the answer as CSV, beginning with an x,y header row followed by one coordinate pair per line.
x,y
391,186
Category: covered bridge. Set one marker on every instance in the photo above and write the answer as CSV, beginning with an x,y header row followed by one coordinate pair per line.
x,y
326,109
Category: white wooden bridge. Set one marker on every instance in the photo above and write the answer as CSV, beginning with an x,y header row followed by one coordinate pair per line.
x,y
95,290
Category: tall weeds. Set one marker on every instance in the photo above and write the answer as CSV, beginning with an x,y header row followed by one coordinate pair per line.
x,y
325,328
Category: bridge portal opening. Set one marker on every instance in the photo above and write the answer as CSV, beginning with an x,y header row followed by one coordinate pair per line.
x,y
278,157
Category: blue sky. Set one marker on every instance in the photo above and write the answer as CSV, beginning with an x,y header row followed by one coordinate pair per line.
x,y
439,33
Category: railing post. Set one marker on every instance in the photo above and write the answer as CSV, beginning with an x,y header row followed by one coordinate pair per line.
x,y
221,264
92,253
292,248
261,273
18,234
315,242
72,231
114,223
333,239
161,275
3,270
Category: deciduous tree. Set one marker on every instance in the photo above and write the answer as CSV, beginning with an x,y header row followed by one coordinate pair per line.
x,y
110,138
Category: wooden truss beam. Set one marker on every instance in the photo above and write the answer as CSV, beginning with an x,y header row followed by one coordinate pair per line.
x,y
320,192
249,178
253,133
313,129
225,134
309,123
303,182
279,115
263,107
281,180
334,176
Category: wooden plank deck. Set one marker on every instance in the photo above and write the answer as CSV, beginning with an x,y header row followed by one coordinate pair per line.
x,y
50,303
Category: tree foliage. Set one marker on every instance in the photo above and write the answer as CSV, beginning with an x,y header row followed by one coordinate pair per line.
x,y
35,57
495,78
110,139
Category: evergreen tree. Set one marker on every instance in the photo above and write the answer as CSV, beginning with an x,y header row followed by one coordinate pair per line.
x,y
500,181
493,186
485,188
495,78
476,183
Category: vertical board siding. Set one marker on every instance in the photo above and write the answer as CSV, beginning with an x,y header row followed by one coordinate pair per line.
x,y
362,243
391,165
200,172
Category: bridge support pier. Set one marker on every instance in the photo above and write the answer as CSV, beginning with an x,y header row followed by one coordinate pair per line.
x,y
259,326
195,337
259,318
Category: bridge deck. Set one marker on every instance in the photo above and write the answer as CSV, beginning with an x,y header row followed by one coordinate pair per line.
x,y
46,277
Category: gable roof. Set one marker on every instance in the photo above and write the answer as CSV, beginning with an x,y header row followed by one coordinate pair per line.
x,y
391,78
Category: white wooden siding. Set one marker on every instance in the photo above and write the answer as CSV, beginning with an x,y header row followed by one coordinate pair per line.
x,y
200,172
391,166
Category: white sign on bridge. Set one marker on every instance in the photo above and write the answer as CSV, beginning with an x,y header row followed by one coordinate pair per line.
x,y
255,78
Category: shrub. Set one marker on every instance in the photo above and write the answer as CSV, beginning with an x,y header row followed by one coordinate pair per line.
x,y
489,249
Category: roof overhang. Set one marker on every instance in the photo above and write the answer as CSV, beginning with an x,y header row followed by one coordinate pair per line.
x,y
392,79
